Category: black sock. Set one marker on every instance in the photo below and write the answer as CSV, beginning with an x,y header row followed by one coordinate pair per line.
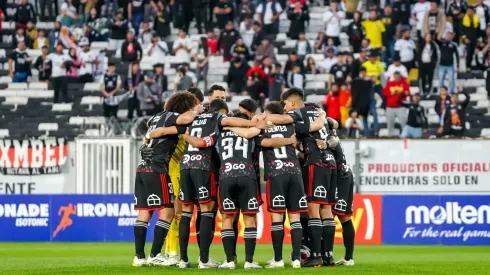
x,y
140,228
206,235
215,212
250,237
228,240
328,236
160,233
277,235
305,237
184,232
296,232
315,232
198,224
348,234
235,229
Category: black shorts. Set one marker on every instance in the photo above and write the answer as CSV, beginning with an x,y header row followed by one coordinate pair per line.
x,y
153,191
345,187
240,193
286,192
320,184
197,185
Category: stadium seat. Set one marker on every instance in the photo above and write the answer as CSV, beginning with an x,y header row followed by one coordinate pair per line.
x,y
4,132
92,132
94,86
315,99
17,86
15,100
315,85
38,85
239,98
48,127
384,132
485,132
62,107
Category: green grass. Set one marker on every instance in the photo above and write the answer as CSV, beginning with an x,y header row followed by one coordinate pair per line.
x,y
116,258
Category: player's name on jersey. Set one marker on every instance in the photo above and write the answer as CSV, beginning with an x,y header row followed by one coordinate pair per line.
x,y
280,128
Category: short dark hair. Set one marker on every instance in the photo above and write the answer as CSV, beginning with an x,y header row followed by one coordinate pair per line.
x,y
293,91
241,115
249,105
274,107
181,102
257,23
216,87
197,93
217,104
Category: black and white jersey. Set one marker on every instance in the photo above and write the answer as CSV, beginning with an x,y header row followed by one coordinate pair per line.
x,y
19,58
236,156
340,72
313,155
204,125
281,160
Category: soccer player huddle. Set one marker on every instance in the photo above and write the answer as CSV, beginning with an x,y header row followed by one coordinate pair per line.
x,y
219,171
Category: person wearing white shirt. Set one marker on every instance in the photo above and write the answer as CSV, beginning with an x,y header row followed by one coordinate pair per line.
x,y
268,13
405,48
332,20
182,47
418,13
157,50
482,10
328,62
88,60
58,73
397,66
246,31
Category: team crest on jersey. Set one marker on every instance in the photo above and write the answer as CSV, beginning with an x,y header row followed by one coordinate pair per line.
x,y
153,200
203,192
303,202
341,205
228,204
253,204
279,201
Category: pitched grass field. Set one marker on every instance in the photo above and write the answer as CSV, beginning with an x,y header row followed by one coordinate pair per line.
x,y
116,258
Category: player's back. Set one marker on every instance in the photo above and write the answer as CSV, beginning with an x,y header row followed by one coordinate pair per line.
x,y
235,155
282,159
165,145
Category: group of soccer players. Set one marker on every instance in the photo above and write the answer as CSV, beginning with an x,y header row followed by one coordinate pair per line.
x,y
218,155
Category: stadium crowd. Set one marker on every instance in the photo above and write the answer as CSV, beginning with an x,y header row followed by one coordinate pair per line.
x,y
391,43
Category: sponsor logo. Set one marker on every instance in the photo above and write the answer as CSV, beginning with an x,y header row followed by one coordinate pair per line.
x,y
229,167
450,213
280,164
188,158
26,214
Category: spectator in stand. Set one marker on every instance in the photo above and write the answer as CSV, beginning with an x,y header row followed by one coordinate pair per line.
x,y
363,100
389,36
160,78
224,13
161,24
239,49
54,36
255,86
202,64
329,61
43,65
299,14
110,85
135,77
19,37
40,41
24,13
119,28
43,4
374,29
397,66
470,29
484,63
131,50
190,74
136,14
401,12
345,100
340,72
303,46
311,67
295,78
97,27
157,50
268,13
246,30
456,10
332,104
145,38
357,64
199,9
182,47
443,101
448,59
353,125
2,18
454,117
227,39
72,66
418,14
69,14
182,81
259,35
427,63
355,33
417,123
332,19
246,9
88,61
406,48
394,89
434,22
320,42
58,73
374,69
276,83
22,69
149,95
212,43
32,34
237,76
265,50
292,62
482,10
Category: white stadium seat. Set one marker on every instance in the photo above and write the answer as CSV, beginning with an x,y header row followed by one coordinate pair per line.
x,y
38,85
48,127
17,86
94,86
4,132
15,100
62,107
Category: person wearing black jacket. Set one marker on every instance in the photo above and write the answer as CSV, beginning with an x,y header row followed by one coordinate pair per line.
x,y
199,9
355,33
119,27
134,78
43,65
357,64
259,35
298,14
417,122
470,30
161,25
227,39
456,11
291,63
454,118
442,102
401,12
389,36
24,13
363,100
427,63
449,56
237,76
484,63
131,49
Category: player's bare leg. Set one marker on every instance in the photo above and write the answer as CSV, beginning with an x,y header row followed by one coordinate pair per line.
x,y
206,232
165,217
348,234
315,233
184,233
328,234
140,229
250,237
228,239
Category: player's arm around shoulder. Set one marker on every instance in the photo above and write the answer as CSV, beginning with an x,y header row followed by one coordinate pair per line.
x,y
278,141
244,132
